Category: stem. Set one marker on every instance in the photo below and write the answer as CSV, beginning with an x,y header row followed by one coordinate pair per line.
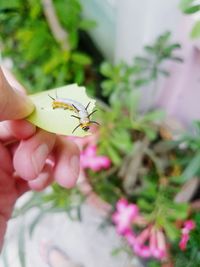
x,y
60,35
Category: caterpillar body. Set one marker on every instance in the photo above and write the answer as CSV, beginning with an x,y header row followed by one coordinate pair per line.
x,y
78,108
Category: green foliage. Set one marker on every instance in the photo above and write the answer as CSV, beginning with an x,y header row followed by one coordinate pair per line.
x,y
191,142
122,78
158,205
40,62
191,256
123,128
57,199
195,33
190,7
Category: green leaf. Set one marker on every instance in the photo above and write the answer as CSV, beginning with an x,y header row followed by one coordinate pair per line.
x,y
113,154
171,231
108,86
154,116
87,24
192,169
185,4
106,69
81,58
192,9
144,205
195,33
35,222
59,121
141,82
21,246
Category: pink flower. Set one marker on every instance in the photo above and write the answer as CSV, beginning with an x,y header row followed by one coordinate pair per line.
x,y
89,159
188,226
150,242
124,215
138,243
158,245
183,241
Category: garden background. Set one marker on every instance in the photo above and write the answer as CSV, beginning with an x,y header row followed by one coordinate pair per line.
x,y
137,199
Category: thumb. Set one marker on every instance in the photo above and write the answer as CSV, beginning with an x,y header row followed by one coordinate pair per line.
x,y
13,103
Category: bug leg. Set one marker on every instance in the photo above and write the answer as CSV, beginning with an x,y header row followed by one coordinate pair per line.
x,y
75,117
51,97
76,128
87,105
92,113
75,108
95,122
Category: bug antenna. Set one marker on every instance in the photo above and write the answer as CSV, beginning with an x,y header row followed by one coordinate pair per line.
x,y
76,128
51,97
92,113
87,105
56,94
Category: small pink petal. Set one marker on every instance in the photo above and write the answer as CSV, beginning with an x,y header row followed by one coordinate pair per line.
x,y
90,151
183,242
124,215
130,237
144,235
161,244
143,251
121,204
190,224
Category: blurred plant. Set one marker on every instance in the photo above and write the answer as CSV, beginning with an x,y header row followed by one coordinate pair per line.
x,y
190,143
191,255
133,163
122,78
42,40
189,7
54,200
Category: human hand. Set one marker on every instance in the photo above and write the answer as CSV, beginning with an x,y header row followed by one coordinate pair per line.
x,y
30,158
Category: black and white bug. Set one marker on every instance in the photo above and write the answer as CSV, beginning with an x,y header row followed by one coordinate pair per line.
x,y
78,108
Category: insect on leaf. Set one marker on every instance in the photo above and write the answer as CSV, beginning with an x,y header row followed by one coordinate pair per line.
x,y
58,120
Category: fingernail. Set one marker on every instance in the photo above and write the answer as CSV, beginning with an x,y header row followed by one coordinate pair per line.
x,y
28,105
75,165
39,156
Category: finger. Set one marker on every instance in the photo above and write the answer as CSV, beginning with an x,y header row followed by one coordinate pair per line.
x,y
6,183
67,160
3,226
21,186
43,180
31,154
5,160
13,104
19,129
8,194
12,80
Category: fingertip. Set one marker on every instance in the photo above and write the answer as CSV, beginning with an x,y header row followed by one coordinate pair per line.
x,y
21,129
31,155
42,181
66,180
67,165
